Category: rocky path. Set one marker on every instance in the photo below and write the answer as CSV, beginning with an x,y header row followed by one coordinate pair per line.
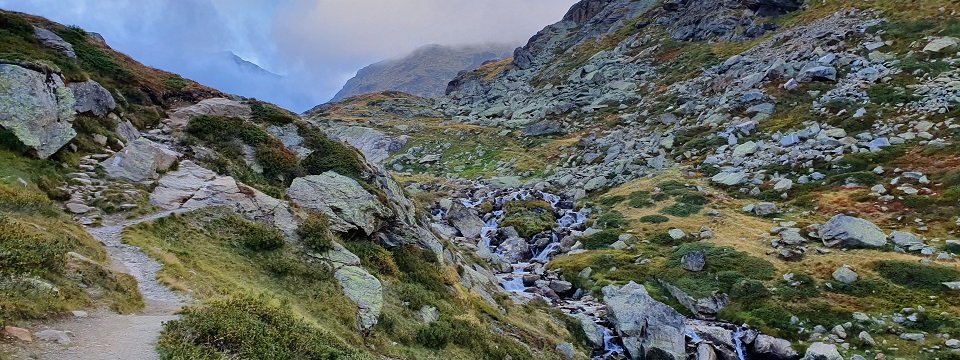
x,y
102,334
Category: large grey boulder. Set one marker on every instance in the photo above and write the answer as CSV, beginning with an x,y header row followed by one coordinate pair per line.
x,y
289,135
769,347
822,351
140,160
53,41
465,220
345,203
514,250
650,329
850,232
214,107
730,178
37,108
590,328
93,98
365,291
375,145
193,187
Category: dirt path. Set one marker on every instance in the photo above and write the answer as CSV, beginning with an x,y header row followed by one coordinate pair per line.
x,y
104,335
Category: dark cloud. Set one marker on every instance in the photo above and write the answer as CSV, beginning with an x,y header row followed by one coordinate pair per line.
x,y
315,44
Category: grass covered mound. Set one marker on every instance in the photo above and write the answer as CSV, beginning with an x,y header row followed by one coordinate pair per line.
x,y
48,264
247,327
529,217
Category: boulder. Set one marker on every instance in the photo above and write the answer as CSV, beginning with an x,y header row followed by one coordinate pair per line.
x,y
127,131
650,329
845,275
51,40
694,261
590,328
17,333
465,220
140,160
545,127
819,73
514,250
850,232
566,349
703,308
769,347
365,291
730,178
57,336
214,106
36,108
92,98
941,44
345,203
822,351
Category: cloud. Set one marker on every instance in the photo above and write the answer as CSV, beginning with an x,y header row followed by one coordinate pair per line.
x,y
316,44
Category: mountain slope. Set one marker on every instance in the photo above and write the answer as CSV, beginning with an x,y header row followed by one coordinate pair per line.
x,y
425,72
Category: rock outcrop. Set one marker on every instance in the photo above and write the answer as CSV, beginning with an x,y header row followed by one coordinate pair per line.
x,y
365,291
53,41
214,107
142,159
650,329
375,145
345,203
92,98
37,108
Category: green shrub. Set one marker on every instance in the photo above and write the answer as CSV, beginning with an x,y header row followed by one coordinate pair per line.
x,y
420,267
220,129
915,275
641,199
25,249
246,327
888,94
693,198
251,235
805,288
176,82
278,162
611,219
662,238
374,257
435,335
529,217
262,112
330,155
654,219
681,209
315,234
612,200
747,290
600,240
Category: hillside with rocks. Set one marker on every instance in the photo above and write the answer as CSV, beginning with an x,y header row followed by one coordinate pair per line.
x,y
643,179
425,72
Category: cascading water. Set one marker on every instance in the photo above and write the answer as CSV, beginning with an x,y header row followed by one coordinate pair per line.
x,y
569,221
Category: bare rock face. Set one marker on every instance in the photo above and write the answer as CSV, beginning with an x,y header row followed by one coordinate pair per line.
x,y
346,204
214,107
650,329
53,41
365,291
141,160
93,98
37,108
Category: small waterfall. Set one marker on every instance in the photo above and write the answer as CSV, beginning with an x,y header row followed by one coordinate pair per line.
x,y
544,255
738,343
610,347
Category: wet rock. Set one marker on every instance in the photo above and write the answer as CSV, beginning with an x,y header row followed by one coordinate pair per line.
x,y
514,250
37,108
590,328
465,220
650,329
851,232
766,346
560,287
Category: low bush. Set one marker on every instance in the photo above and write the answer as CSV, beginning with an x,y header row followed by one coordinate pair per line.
x,y
915,275
248,328
315,234
681,209
420,267
654,219
251,235
330,155
641,199
600,240
747,290
262,112
611,219
529,217
611,200
374,257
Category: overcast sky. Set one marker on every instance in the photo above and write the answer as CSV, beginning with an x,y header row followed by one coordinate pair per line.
x,y
315,44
